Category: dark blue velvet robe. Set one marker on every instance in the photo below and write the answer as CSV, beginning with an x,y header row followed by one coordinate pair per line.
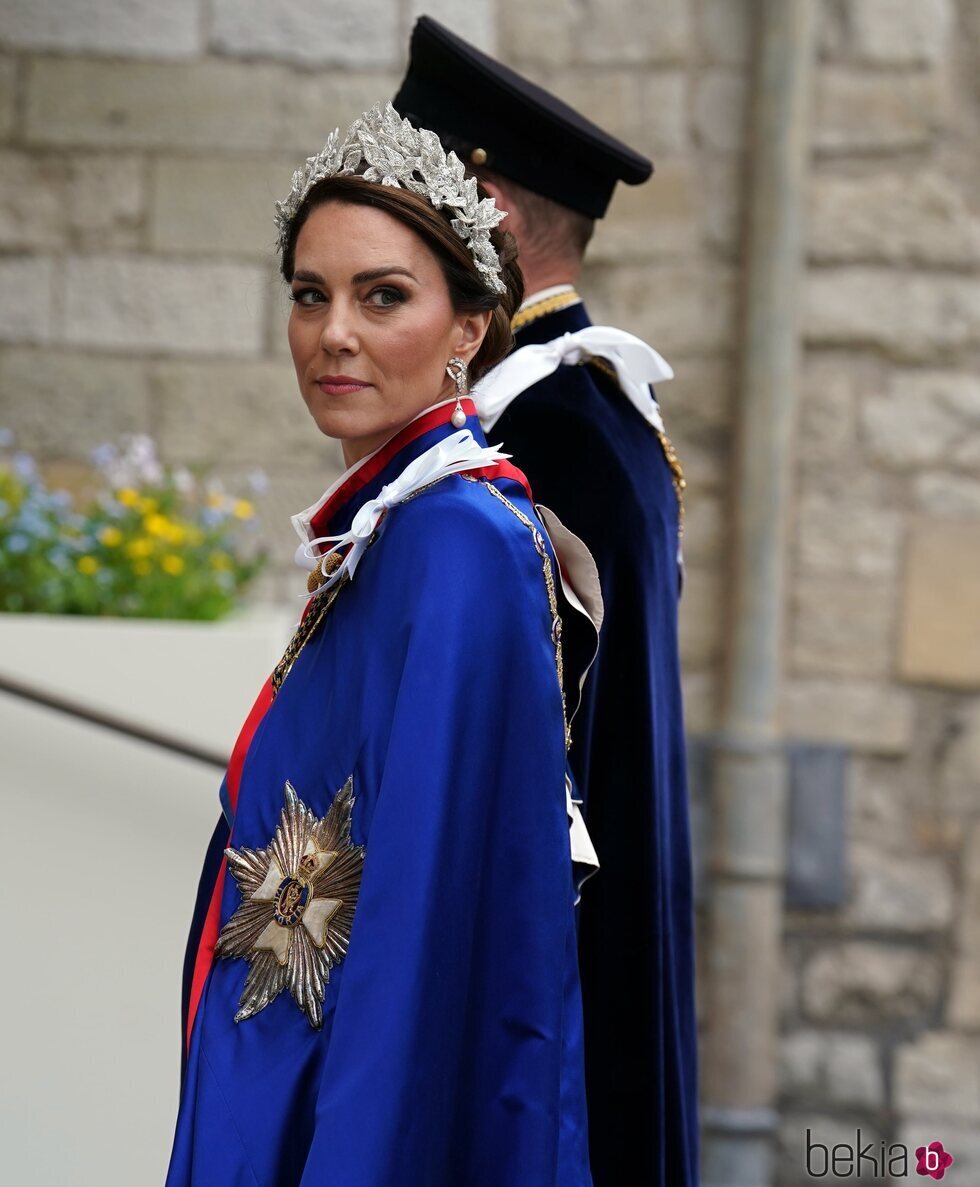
x,y
451,1050
593,460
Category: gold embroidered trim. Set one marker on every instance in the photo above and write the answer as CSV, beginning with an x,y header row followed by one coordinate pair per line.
x,y
549,581
670,453
304,632
541,308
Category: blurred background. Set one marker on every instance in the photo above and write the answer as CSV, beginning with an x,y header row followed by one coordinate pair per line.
x,y
143,147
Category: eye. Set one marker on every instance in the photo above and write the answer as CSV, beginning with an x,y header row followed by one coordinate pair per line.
x,y
385,296
300,296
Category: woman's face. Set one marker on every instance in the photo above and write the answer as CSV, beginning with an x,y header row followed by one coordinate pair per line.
x,y
372,327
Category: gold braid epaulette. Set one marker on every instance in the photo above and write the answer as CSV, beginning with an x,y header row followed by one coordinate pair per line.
x,y
552,304
670,453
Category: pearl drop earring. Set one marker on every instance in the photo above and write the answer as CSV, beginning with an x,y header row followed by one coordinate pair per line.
x,y
456,370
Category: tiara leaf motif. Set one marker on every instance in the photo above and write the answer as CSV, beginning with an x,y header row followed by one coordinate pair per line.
x,y
382,147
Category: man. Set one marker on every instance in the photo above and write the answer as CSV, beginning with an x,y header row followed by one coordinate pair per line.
x,y
584,391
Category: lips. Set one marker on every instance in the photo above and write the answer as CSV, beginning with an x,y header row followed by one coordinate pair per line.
x,y
339,385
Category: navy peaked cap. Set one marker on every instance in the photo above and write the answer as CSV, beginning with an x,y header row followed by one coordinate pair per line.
x,y
492,116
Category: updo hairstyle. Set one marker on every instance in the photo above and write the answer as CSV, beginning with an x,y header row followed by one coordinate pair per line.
x,y
468,292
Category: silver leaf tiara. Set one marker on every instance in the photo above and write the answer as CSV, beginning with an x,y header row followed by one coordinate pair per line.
x,y
398,154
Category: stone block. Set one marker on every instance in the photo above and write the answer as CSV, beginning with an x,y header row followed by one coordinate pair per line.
x,y
947,495
864,984
32,201
134,28
646,109
105,200
142,303
720,109
963,1006
843,626
891,217
902,894
908,316
25,298
847,539
719,201
871,717
533,36
565,32
726,30
968,908
211,104
678,310
8,94
474,20
939,639
884,803
705,466
310,32
937,1078
879,111
925,418
697,402
234,413
837,1068
221,206
905,32
700,617
639,32
700,689
830,385
61,404
656,220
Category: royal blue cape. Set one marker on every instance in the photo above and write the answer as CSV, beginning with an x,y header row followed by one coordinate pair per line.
x,y
451,1050
592,458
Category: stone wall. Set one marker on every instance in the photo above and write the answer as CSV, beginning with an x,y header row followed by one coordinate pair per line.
x,y
142,148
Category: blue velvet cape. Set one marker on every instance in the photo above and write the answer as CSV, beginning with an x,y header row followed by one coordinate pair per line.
x,y
451,1051
592,459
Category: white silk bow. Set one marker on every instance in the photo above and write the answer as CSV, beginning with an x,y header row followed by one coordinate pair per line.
x,y
451,455
637,366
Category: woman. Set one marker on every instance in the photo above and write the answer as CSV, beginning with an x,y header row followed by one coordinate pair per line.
x,y
385,991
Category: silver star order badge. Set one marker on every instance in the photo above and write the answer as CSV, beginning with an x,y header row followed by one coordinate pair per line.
x,y
298,900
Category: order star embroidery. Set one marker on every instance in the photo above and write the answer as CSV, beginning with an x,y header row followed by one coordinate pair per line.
x,y
299,895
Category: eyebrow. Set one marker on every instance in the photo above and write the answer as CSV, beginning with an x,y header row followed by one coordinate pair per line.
x,y
360,277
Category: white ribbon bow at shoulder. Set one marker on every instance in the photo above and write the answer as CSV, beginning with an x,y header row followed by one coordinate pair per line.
x,y
637,365
451,455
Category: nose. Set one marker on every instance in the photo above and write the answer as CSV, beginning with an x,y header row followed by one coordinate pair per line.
x,y
338,334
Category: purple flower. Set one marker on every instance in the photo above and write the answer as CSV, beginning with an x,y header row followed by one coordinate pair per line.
x,y
17,544
24,466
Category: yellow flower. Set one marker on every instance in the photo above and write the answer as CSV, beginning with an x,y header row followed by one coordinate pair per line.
x,y
243,509
172,564
156,525
216,498
110,537
147,506
176,533
87,565
141,568
127,496
220,560
139,548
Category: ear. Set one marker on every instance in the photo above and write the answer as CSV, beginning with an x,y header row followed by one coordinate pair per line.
x,y
471,329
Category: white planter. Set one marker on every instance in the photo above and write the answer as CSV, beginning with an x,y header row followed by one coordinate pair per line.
x,y
192,680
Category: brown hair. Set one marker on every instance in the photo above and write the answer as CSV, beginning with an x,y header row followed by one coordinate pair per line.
x,y
468,292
